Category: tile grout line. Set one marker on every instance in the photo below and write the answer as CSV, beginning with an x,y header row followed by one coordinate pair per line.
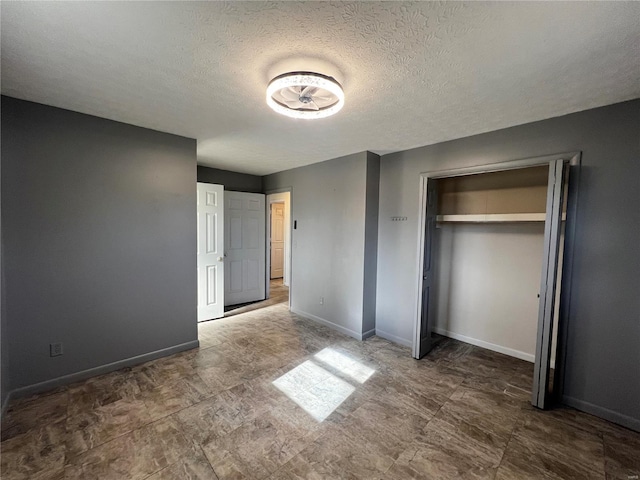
x,y
243,401
161,470
504,451
604,456
138,428
207,459
428,422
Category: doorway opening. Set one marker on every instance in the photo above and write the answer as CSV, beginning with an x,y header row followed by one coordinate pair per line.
x,y
275,242
278,245
493,253
276,249
278,293
243,250
230,250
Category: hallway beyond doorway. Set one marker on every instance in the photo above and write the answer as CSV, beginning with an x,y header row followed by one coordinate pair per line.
x,y
278,293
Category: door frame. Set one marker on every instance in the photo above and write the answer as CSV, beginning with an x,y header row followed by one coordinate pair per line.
x,y
289,243
574,160
270,205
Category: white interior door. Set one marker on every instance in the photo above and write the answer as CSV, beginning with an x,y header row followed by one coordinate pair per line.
x,y
210,251
244,235
277,240
549,282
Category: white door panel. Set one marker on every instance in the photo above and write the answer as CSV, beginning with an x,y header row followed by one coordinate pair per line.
x,y
253,270
245,247
277,240
252,233
210,251
235,276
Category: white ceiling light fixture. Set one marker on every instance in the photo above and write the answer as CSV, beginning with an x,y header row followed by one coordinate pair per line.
x,y
305,95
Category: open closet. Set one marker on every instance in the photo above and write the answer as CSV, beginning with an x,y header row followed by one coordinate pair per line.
x,y
493,244
489,241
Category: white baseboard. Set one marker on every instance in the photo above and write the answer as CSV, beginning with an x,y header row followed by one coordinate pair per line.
x,y
489,346
5,404
333,326
612,416
368,333
95,371
393,338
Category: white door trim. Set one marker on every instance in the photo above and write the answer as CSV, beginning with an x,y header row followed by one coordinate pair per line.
x,y
282,229
288,238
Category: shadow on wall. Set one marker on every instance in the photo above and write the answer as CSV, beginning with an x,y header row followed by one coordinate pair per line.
x,y
234,181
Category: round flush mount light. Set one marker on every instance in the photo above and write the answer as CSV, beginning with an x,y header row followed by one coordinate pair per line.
x,y
305,95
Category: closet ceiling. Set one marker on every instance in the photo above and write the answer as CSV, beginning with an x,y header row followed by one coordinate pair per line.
x,y
413,73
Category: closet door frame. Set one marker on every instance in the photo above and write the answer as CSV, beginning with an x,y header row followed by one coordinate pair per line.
x,y
573,160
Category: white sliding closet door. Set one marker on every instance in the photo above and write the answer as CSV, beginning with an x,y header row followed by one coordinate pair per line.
x,y
548,284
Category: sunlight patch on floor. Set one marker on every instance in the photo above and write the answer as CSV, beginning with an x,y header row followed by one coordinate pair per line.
x,y
318,391
314,389
345,364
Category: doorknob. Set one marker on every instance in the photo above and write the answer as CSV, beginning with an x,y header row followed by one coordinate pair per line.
x,y
220,259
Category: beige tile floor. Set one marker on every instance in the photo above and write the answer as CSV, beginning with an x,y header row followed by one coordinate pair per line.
x,y
271,395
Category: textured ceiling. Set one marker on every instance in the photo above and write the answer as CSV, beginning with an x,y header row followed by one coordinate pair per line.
x,y
413,73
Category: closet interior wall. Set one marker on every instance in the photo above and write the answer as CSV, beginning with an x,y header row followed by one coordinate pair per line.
x,y
489,243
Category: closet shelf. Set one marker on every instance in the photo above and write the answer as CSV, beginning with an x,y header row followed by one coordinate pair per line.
x,y
493,218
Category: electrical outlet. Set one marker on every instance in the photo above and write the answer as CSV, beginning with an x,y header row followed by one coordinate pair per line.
x,y
55,349
321,300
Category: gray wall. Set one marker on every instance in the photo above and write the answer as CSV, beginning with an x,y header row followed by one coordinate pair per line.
x,y
237,182
371,243
99,234
4,343
603,358
329,203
